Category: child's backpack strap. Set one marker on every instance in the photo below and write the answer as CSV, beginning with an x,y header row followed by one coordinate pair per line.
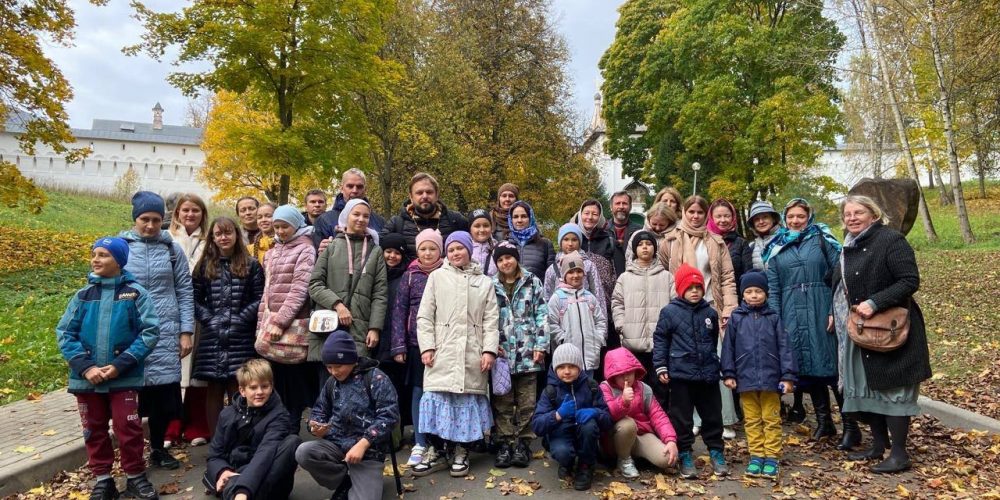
x,y
550,392
647,397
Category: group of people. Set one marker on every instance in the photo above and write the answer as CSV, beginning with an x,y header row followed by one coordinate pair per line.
x,y
618,342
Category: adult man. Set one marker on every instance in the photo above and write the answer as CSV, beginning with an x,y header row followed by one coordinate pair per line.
x,y
315,206
352,185
424,211
621,227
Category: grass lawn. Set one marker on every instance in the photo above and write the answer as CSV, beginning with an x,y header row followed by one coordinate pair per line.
x,y
79,213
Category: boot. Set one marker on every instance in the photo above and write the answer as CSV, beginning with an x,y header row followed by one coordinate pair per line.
x,y
797,413
852,434
820,397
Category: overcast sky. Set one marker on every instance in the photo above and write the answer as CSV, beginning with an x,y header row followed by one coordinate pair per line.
x,y
107,84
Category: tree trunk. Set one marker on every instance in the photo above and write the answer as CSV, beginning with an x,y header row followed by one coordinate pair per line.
x,y
982,179
949,135
933,167
981,150
925,215
283,189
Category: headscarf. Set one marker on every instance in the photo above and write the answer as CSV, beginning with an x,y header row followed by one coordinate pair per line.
x,y
785,237
291,215
348,207
523,236
721,202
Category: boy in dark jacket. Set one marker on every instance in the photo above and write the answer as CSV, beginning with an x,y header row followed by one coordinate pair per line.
x,y
252,454
755,358
354,418
684,355
108,329
571,414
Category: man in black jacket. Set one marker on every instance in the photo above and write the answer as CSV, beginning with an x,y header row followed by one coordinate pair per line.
x,y
424,211
352,185
621,227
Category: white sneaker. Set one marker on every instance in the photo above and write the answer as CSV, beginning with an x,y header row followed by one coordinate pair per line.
x,y
696,430
628,468
431,463
416,455
199,442
728,433
460,462
167,444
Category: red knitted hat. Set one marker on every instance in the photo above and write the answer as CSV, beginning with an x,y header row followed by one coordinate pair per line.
x,y
685,277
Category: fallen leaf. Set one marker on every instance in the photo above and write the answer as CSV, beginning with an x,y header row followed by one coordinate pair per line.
x,y
902,491
34,396
24,449
539,454
409,487
497,473
171,488
50,432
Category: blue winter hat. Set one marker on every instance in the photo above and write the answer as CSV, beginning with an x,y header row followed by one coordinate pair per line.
x,y
753,279
147,201
339,349
291,215
569,228
116,246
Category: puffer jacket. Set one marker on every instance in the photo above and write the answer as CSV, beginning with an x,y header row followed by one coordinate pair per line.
x,y
111,321
740,254
226,309
404,223
755,350
347,408
639,295
522,321
483,254
288,267
591,278
576,317
404,310
363,292
536,255
159,265
685,343
458,320
722,282
584,391
644,408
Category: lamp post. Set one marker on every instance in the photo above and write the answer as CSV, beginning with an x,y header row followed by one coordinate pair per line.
x,y
696,167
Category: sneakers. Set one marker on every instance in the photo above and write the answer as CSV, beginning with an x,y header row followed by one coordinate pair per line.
x,y
696,430
686,465
727,433
460,462
628,468
163,460
140,487
584,477
770,469
416,455
104,489
754,467
167,444
504,456
522,454
718,463
199,442
431,463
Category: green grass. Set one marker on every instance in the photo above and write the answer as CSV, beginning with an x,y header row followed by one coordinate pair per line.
x,y
73,212
984,216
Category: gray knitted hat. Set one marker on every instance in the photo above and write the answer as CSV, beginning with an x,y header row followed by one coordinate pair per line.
x,y
567,354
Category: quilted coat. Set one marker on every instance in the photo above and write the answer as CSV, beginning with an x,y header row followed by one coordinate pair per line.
x,y
686,340
755,350
639,295
286,289
584,392
404,310
722,282
575,316
523,317
644,408
591,277
404,223
226,308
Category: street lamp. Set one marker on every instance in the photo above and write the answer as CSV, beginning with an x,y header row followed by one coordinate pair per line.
x,y
696,167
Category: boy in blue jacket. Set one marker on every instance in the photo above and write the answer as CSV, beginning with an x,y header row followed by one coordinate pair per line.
x,y
757,362
685,357
571,414
108,329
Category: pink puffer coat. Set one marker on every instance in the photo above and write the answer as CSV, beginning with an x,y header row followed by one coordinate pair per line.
x,y
286,292
644,409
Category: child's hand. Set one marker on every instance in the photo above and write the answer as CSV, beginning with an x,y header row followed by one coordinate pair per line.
x,y
628,394
538,357
670,451
372,339
357,452
787,387
567,410
585,415
241,496
486,361
317,429
730,383
274,331
94,375
664,378
109,372
427,358
400,358
223,479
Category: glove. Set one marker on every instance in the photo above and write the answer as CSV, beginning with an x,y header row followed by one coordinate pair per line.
x,y
567,409
585,415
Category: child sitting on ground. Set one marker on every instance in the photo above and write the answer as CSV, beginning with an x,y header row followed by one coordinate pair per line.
x,y
252,454
576,316
570,415
684,354
108,329
640,425
755,358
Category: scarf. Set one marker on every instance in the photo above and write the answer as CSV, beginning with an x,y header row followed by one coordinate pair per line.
x,y
578,219
429,268
786,237
690,237
714,229
501,218
395,272
523,236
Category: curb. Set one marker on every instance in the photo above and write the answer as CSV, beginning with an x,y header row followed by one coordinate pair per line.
x,y
953,416
29,474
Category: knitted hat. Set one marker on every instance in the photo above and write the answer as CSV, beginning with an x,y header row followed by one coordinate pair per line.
x,y
567,229
339,349
569,262
753,279
480,213
507,186
763,207
291,215
147,201
506,248
643,236
462,237
686,277
567,354
116,246
394,241
431,235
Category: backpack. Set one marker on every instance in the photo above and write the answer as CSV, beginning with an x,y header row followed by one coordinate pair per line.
x,y
550,392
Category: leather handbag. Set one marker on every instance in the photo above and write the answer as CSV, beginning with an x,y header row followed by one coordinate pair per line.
x,y
884,331
292,346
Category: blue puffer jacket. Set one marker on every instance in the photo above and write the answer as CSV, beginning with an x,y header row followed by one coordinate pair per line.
x,y
345,405
755,350
111,321
584,391
685,341
159,265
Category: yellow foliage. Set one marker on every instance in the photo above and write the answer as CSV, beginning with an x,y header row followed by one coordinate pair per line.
x,y
23,248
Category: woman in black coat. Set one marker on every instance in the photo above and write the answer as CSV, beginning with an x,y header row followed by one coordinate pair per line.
x,y
879,271
228,285
537,253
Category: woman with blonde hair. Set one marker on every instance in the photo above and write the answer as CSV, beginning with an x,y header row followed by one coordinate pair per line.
x,y
660,220
672,197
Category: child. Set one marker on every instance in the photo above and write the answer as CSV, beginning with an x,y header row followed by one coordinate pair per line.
x,y
575,315
684,354
641,427
571,414
394,252
523,342
252,453
570,236
755,357
481,229
353,417
405,348
108,329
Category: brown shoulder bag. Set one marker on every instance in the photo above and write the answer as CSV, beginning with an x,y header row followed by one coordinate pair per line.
x,y
883,332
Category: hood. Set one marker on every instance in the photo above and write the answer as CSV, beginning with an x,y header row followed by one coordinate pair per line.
x,y
414,266
652,270
580,382
472,268
621,360
130,236
124,277
303,236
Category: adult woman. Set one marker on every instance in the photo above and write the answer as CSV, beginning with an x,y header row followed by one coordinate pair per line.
x,y
506,196
879,271
596,238
764,221
189,226
246,210
228,284
265,238
800,259
672,197
457,328
660,220
158,264
536,251
350,278
722,221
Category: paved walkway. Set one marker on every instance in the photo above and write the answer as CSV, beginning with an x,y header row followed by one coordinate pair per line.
x,y
38,438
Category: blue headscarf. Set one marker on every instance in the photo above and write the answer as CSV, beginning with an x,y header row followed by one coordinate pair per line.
x,y
523,236
786,237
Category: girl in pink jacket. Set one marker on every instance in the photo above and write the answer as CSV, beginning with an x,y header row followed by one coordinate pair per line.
x,y
641,426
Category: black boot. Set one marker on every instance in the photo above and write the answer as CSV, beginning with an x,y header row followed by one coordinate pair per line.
x,y
820,397
797,414
504,456
880,439
852,434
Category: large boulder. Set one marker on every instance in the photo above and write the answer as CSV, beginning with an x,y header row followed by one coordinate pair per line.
x,y
898,198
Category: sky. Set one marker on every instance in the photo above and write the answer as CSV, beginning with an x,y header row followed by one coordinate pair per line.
x,y
108,84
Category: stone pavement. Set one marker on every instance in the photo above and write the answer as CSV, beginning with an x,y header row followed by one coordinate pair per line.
x,y
39,438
